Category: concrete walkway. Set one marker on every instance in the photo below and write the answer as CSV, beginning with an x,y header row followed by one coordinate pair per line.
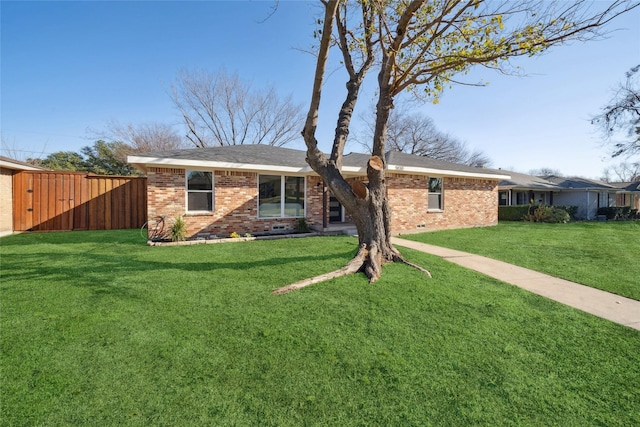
x,y
616,308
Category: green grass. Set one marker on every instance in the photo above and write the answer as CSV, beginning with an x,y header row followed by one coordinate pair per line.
x,y
99,329
603,255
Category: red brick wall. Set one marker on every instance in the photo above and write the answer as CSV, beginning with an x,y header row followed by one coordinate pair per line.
x,y
314,201
467,202
235,206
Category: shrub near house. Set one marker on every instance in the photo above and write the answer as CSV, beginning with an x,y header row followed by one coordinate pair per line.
x,y
619,213
540,213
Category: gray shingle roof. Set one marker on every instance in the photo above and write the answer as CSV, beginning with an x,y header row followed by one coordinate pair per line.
x,y
553,182
520,180
411,160
626,186
266,155
244,154
577,182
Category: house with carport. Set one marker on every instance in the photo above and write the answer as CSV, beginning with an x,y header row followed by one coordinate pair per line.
x,y
587,195
261,189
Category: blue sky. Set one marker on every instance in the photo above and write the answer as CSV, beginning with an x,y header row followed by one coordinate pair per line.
x,y
68,68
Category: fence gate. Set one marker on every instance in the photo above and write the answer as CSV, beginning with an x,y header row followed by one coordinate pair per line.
x,y
50,201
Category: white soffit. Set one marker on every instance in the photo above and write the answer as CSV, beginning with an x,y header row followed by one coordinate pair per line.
x,y
19,166
208,164
358,170
444,172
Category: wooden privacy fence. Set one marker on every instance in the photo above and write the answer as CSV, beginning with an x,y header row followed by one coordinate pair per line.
x,y
49,201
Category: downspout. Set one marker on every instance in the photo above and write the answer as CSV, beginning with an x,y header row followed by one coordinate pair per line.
x,y
588,205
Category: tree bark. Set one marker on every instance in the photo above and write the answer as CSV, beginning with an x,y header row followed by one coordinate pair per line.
x,y
366,204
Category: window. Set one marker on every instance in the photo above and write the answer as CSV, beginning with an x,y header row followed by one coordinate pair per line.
x,y
503,198
199,191
271,204
435,193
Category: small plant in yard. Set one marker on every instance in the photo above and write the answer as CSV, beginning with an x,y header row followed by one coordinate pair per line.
x,y
248,235
234,235
178,230
302,225
544,213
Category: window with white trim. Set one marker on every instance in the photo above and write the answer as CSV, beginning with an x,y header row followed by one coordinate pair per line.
x,y
435,194
272,204
199,191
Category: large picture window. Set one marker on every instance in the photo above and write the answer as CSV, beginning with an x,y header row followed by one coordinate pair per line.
x,y
435,194
272,204
199,191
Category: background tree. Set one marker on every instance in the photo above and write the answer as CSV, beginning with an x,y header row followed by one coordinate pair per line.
x,y
622,115
11,149
108,158
62,161
420,46
144,137
622,172
415,133
545,172
220,109
103,158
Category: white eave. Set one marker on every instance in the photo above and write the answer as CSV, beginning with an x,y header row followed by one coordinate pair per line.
x,y
209,164
444,172
144,162
18,166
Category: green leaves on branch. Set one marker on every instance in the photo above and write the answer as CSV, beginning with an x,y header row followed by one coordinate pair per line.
x,y
103,158
427,43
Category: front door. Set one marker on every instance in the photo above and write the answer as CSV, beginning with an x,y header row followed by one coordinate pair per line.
x,y
335,210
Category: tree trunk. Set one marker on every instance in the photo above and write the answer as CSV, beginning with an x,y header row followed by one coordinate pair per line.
x,y
366,204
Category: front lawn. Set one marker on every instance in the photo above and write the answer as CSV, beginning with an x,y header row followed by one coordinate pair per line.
x,y
603,255
99,329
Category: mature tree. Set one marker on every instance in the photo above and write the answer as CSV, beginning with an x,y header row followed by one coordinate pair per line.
x,y
622,115
415,133
221,109
144,137
420,46
108,158
61,160
103,158
545,172
622,172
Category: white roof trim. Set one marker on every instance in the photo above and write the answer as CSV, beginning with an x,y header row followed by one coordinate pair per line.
x,y
444,172
18,166
209,164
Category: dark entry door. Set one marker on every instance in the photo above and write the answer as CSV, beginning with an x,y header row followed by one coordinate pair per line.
x,y
335,210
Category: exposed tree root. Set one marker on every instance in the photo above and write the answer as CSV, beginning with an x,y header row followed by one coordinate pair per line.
x,y
368,260
353,266
399,258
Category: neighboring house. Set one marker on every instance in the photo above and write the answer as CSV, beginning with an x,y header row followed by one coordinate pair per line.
x,y
9,167
587,194
263,189
628,194
523,189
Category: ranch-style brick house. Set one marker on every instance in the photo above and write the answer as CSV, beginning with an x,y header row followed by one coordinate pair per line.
x,y
261,189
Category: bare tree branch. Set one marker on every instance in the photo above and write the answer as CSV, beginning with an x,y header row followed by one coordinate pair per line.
x,y
220,109
622,116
